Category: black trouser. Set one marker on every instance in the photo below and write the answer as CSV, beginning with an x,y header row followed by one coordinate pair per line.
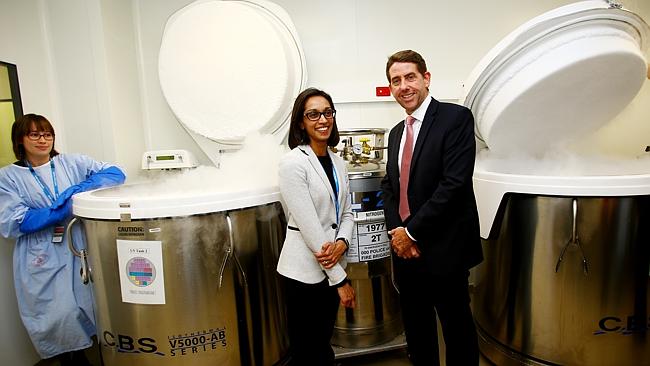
x,y
74,358
311,314
424,295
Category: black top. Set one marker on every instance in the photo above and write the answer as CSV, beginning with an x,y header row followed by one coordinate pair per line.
x,y
326,162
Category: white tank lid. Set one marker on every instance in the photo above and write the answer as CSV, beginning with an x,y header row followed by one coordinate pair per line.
x,y
138,201
560,75
228,68
557,77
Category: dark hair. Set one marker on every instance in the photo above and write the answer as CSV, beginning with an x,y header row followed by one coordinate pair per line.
x,y
297,135
406,56
22,127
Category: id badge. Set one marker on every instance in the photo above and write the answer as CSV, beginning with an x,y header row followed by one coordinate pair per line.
x,y
57,234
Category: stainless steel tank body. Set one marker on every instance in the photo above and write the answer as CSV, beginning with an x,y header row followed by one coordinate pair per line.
x,y
377,318
223,302
565,281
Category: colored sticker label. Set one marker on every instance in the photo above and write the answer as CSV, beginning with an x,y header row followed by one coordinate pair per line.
x,y
141,271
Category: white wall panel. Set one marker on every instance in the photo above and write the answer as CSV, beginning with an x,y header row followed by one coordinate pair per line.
x,y
162,131
24,43
121,111
78,75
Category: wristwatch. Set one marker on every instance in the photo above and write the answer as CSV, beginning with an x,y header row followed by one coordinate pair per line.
x,y
344,240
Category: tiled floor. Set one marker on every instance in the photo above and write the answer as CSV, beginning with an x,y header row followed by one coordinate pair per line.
x,y
393,357
389,358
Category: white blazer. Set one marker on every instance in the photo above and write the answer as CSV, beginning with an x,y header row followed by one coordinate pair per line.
x,y
313,220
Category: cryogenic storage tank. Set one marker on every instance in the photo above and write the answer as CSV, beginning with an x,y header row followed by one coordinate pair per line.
x,y
376,318
185,275
565,278
185,279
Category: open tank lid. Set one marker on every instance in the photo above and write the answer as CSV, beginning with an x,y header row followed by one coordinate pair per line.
x,y
138,201
560,75
222,87
557,77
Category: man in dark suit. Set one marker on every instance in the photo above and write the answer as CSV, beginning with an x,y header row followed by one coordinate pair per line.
x,y
431,215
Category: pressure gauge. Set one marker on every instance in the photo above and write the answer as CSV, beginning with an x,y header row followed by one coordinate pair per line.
x,y
356,148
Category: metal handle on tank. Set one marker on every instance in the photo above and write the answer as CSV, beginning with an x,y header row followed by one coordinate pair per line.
x,y
574,234
231,251
83,254
392,275
574,240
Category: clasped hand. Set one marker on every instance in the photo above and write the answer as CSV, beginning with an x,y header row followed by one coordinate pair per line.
x,y
330,253
402,244
328,256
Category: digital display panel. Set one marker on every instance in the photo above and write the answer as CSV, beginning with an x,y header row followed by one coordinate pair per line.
x,y
164,157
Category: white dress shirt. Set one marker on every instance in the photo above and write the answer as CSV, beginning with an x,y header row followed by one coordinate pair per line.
x,y
418,114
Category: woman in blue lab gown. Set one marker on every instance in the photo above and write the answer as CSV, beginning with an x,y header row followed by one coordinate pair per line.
x,y
35,205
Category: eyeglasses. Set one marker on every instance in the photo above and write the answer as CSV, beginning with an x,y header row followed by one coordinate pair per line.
x,y
35,136
315,115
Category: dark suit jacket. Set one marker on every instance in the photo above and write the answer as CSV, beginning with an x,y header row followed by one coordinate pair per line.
x,y
444,218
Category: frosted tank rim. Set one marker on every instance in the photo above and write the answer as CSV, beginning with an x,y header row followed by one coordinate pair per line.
x,y
491,187
113,203
358,131
529,64
226,110
365,174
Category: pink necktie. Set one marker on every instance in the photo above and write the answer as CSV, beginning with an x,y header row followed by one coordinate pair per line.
x,y
407,154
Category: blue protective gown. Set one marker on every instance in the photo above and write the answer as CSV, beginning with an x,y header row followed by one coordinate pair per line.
x,y
55,307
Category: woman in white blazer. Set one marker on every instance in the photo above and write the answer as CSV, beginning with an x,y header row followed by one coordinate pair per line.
x,y
314,186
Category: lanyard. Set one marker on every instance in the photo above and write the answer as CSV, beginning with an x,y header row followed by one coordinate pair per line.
x,y
42,184
336,196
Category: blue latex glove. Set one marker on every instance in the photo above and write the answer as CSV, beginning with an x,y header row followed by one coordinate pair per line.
x,y
40,218
110,176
